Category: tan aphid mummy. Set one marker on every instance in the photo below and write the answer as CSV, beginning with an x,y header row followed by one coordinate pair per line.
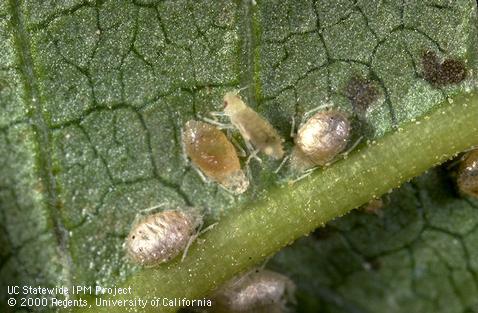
x,y
256,291
214,155
321,139
162,236
467,179
253,128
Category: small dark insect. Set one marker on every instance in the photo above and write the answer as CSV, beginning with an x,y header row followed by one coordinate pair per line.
x,y
214,155
160,237
438,74
361,93
256,291
321,139
467,179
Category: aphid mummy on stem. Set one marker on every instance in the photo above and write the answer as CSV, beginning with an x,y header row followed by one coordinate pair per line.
x,y
255,291
160,237
467,179
214,155
253,128
320,139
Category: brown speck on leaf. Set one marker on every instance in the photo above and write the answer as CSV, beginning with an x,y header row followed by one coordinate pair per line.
x,y
361,92
448,72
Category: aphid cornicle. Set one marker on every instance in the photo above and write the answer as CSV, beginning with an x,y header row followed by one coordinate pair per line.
x,y
253,128
214,155
321,139
467,179
160,237
256,291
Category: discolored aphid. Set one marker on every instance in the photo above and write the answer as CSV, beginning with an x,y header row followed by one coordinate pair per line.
x,y
214,155
467,179
255,130
256,291
320,139
160,237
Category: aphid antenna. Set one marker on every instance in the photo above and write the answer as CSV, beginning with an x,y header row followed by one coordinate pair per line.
x,y
157,206
144,212
310,112
237,91
284,161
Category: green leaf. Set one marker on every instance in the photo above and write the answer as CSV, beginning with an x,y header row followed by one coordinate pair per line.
x,y
93,96
420,256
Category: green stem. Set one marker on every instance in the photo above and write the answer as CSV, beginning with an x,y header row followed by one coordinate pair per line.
x,y
283,214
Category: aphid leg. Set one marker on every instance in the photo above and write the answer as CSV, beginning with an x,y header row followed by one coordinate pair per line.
x,y
264,263
346,153
218,124
463,156
230,193
183,148
202,231
284,160
195,236
253,155
201,175
241,152
310,112
292,127
252,152
217,113
306,174
471,148
456,162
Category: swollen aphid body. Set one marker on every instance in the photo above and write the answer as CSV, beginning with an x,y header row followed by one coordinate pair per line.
x,y
320,139
214,155
467,179
254,128
160,237
256,291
